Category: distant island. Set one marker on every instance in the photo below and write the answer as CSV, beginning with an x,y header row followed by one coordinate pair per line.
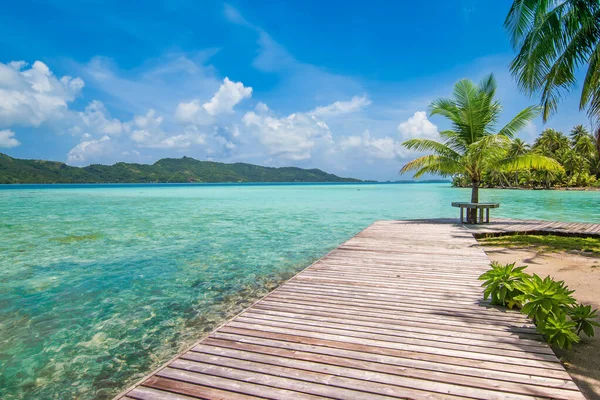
x,y
166,170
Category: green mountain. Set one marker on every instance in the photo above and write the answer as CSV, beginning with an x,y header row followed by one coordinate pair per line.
x,y
186,169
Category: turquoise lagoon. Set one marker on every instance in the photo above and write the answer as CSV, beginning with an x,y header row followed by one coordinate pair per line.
x,y
101,283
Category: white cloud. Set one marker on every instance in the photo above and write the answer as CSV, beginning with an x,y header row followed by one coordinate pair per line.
x,y
342,107
31,96
95,118
298,135
223,101
147,132
229,94
190,113
172,142
418,126
89,150
366,145
160,84
7,139
234,16
292,137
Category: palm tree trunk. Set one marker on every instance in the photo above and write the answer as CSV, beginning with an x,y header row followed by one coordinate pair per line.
x,y
472,212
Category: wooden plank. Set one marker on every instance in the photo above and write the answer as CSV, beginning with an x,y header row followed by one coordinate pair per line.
x,y
381,299
146,393
383,362
468,352
403,330
415,325
379,372
327,381
194,390
399,307
394,312
443,316
224,379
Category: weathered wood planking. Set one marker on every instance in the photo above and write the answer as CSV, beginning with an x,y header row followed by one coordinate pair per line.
x,y
502,226
394,312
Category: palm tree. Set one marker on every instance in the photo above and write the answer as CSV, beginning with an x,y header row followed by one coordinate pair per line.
x,y
582,142
578,132
518,147
555,38
472,146
574,162
551,143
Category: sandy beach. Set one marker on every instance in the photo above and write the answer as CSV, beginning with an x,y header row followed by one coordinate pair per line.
x,y
582,274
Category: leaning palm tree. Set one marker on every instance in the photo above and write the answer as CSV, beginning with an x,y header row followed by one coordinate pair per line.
x,y
473,146
555,38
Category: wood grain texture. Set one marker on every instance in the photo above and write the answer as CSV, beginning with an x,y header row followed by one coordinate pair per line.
x,y
504,226
395,312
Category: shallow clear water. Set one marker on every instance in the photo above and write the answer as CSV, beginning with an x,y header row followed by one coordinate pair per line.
x,y
99,284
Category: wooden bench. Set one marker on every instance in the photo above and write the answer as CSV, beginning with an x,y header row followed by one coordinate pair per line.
x,y
479,208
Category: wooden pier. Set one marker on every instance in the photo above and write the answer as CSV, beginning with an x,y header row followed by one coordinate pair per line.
x,y
504,226
395,312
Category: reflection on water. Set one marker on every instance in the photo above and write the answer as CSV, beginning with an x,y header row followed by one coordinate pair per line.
x,y
100,285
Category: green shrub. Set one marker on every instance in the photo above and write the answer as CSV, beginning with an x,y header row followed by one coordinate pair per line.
x,y
548,302
544,297
559,331
502,284
583,316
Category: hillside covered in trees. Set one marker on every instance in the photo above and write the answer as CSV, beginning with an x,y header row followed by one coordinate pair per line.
x,y
173,170
578,153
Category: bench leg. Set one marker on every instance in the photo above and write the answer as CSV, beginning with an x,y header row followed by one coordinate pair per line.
x,y
487,215
480,215
461,214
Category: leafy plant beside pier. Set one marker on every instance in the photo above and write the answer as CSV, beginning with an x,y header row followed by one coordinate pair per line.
x,y
549,303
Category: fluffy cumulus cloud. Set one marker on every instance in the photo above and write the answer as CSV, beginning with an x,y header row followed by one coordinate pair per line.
x,y
224,100
89,150
7,139
229,94
95,118
289,138
385,148
30,96
342,107
418,126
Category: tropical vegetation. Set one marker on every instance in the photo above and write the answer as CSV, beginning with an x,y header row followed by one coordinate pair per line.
x,y
549,303
473,146
576,153
186,169
554,39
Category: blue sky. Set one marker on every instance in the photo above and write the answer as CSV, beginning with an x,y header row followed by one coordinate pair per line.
x,y
332,85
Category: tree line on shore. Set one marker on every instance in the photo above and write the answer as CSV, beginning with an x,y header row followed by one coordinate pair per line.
x,y
578,153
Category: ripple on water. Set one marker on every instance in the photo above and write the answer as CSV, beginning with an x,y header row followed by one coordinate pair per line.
x,y
100,285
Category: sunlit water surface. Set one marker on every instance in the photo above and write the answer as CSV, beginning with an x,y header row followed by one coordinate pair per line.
x,y
99,284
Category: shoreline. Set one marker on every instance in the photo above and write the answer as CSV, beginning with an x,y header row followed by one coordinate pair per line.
x,y
564,189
